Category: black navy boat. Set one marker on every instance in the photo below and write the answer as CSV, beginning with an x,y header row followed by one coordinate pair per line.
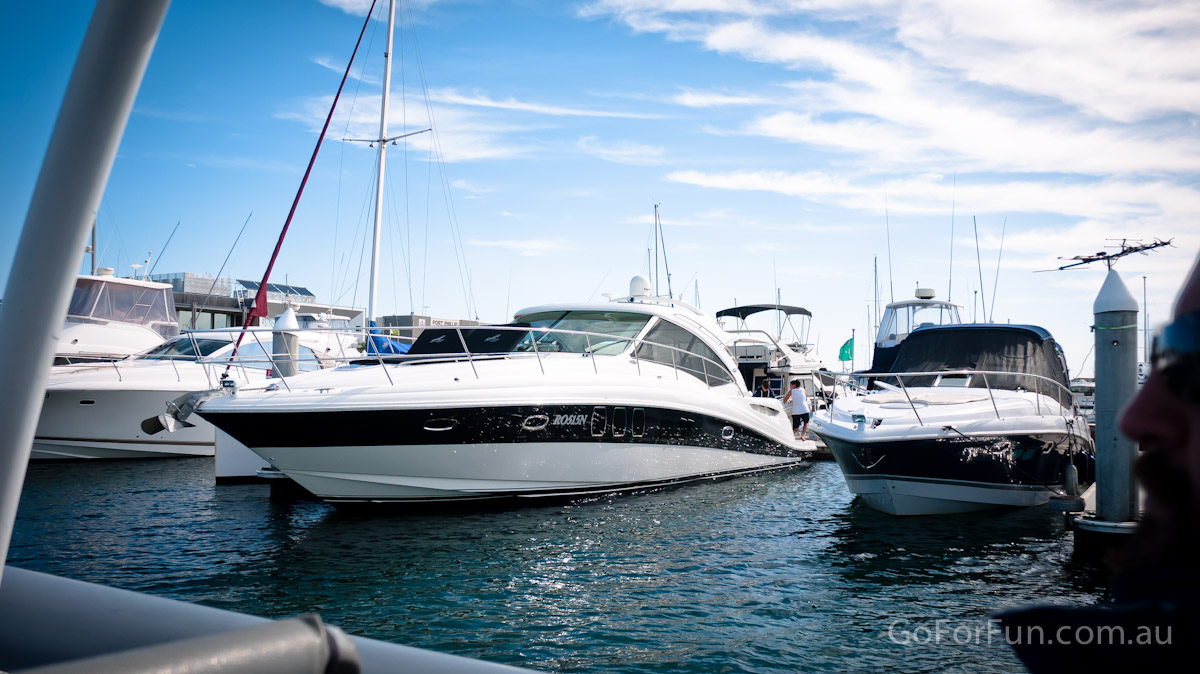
x,y
966,417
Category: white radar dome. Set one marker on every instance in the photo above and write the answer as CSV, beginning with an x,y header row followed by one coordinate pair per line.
x,y
639,286
925,293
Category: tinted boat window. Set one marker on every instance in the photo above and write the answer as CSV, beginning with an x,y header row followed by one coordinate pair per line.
x,y
185,348
688,353
621,326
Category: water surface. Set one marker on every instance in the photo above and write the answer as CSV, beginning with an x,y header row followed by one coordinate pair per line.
x,y
779,573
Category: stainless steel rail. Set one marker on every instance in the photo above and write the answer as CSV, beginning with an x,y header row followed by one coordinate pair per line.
x,y
711,372
842,383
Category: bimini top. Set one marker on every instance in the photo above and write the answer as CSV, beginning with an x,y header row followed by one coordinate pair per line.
x,y
751,309
1027,349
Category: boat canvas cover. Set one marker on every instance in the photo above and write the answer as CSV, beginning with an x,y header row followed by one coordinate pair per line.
x,y
751,309
1009,348
493,339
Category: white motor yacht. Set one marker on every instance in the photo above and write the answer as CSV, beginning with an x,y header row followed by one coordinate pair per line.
x,y
110,318
572,400
967,417
765,354
96,410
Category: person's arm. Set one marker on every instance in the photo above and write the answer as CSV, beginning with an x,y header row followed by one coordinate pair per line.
x,y
787,396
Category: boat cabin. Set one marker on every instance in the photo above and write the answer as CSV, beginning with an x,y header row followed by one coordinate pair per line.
x,y
901,318
108,299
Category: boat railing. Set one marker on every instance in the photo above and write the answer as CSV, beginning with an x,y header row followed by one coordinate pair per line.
x,y
535,343
845,383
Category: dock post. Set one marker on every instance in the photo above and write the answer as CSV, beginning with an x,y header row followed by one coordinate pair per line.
x,y
1103,537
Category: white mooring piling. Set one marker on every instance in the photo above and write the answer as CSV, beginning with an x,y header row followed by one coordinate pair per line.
x,y
1116,313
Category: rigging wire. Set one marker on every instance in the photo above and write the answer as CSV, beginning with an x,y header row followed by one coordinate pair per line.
x,y
349,285
666,266
888,224
983,304
444,183
953,195
260,298
602,280
164,248
333,291
216,278
404,132
998,256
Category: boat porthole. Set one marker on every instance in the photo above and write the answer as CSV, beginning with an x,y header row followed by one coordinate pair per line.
x,y
439,425
727,433
535,422
86,403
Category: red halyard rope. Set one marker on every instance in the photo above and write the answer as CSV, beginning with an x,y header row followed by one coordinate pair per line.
x,y
260,297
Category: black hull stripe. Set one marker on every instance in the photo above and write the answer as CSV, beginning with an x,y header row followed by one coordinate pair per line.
x,y
587,424
567,494
954,483
1020,460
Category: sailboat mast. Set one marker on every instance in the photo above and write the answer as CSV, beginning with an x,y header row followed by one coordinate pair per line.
x,y
656,250
383,108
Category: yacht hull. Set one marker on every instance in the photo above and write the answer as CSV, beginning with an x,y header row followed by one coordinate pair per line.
x,y
954,474
501,452
106,424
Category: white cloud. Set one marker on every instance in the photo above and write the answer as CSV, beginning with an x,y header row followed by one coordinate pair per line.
x,y
452,97
1108,199
1045,87
709,99
465,186
1121,61
361,7
525,248
461,135
339,68
622,152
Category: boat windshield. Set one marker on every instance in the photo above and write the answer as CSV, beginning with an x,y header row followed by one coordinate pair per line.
x,y
99,300
621,326
899,321
185,348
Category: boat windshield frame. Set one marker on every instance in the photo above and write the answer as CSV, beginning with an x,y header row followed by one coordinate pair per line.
x,y
569,331
98,300
186,347
891,332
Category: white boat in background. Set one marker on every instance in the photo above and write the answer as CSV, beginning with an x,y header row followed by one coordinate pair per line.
x,y
95,411
1084,390
574,400
969,417
110,318
901,318
761,354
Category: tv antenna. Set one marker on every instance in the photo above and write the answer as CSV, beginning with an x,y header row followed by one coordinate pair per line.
x,y
1127,246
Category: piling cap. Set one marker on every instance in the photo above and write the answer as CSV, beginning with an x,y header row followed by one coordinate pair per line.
x,y
1114,296
287,320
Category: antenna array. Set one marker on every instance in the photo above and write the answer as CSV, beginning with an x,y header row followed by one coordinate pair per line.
x,y
1127,246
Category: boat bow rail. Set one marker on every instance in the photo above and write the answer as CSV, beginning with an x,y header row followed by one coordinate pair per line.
x,y
473,345
859,384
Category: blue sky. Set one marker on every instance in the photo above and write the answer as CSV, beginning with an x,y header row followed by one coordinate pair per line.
x,y
784,141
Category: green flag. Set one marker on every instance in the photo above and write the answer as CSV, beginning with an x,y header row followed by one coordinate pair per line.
x,y
847,350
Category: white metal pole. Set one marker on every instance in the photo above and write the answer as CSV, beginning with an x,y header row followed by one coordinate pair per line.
x,y
95,107
1116,319
383,109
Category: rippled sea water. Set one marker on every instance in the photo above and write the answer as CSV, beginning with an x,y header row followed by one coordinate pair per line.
x,y
779,573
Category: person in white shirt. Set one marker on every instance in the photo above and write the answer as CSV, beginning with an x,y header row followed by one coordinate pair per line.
x,y
798,400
